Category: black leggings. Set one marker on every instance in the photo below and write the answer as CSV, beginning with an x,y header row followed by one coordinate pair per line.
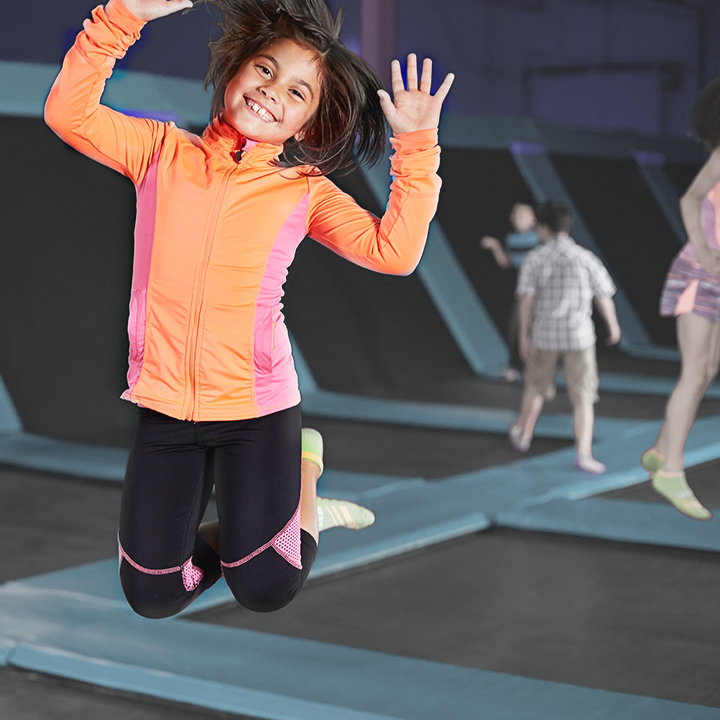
x,y
255,468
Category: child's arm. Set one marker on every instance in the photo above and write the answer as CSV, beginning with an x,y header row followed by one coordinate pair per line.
x,y
493,244
73,107
394,243
690,207
606,306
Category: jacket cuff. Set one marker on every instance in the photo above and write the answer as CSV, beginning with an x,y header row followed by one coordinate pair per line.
x,y
414,141
119,15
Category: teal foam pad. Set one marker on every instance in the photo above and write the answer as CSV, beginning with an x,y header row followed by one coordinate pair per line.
x,y
277,677
620,520
9,418
43,453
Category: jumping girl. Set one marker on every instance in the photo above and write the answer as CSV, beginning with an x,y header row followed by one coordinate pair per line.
x,y
692,295
219,218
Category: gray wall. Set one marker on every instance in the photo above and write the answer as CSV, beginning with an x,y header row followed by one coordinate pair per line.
x,y
633,64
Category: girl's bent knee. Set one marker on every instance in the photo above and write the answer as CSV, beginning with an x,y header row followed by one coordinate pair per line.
x,y
263,597
264,591
152,597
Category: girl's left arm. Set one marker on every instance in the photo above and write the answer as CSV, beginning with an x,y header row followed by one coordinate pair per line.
x,y
394,243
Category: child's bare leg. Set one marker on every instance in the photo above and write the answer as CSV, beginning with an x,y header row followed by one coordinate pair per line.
x,y
210,533
321,513
583,424
308,498
530,410
699,341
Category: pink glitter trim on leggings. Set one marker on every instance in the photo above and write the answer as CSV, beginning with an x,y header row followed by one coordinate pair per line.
x,y
191,574
286,544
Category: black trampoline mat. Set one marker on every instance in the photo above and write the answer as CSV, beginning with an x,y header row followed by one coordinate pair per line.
x,y
629,227
64,287
50,522
496,394
53,522
704,480
417,452
34,696
681,175
622,617
479,189
362,331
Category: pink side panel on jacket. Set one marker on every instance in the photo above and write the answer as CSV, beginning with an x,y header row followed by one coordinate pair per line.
x,y
275,377
144,234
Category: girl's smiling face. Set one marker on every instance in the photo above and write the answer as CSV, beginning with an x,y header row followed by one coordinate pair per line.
x,y
275,93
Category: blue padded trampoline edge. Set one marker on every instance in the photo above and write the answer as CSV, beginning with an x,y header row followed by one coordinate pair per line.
x,y
177,688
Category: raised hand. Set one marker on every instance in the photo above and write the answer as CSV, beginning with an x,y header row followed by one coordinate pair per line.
x,y
414,108
147,10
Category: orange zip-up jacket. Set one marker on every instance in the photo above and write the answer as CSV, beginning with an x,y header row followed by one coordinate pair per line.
x,y
214,237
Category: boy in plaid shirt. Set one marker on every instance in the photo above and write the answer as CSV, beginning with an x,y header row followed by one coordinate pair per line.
x,y
559,281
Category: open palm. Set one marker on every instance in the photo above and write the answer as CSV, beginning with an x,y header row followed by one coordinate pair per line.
x,y
147,10
414,108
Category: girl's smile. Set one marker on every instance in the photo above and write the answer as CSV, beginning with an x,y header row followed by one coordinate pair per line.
x,y
275,93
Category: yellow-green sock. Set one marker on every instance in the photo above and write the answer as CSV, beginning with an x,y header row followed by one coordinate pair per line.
x,y
675,489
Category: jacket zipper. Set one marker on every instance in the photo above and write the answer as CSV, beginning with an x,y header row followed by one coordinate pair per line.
x,y
190,407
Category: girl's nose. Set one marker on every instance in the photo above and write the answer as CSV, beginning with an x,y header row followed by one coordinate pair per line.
x,y
269,92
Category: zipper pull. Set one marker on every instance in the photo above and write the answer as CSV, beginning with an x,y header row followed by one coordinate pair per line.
x,y
238,153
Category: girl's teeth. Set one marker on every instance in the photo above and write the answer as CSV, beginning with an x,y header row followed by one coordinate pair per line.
x,y
264,114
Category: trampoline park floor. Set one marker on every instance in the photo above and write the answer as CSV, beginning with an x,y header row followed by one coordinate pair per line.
x,y
493,585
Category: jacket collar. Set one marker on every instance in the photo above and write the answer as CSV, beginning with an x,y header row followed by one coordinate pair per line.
x,y
227,141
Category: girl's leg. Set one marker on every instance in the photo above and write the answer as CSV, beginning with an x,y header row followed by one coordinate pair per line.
x,y
266,538
329,512
163,565
699,342
310,471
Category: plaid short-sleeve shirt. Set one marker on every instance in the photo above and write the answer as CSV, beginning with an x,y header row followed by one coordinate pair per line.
x,y
563,278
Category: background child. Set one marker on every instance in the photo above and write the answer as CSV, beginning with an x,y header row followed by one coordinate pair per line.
x,y
692,295
510,256
558,282
218,220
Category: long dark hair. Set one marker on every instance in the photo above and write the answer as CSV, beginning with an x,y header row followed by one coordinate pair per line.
x,y
349,126
705,115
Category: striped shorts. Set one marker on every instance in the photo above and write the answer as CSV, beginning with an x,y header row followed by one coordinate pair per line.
x,y
689,289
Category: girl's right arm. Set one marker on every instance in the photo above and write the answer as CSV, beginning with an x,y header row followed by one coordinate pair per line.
x,y
690,207
73,108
